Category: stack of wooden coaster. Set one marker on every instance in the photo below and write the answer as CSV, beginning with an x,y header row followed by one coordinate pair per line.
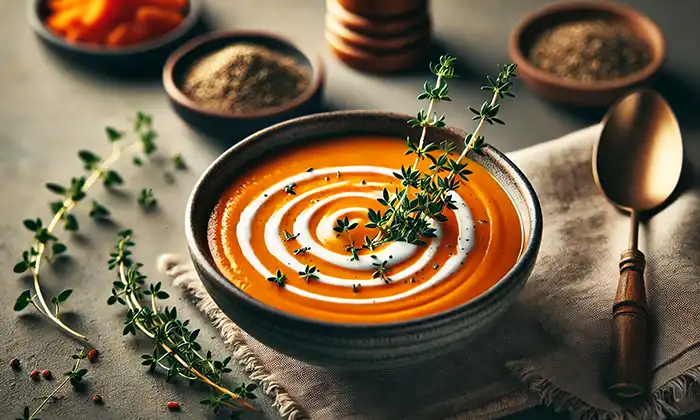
x,y
378,36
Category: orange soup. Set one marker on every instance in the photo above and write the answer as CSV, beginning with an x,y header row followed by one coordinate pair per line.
x,y
280,214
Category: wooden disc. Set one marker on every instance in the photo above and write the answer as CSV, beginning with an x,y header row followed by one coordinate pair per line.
x,y
376,63
383,8
376,44
377,27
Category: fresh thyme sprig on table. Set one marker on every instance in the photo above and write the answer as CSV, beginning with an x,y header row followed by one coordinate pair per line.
x,y
409,212
73,376
176,349
70,196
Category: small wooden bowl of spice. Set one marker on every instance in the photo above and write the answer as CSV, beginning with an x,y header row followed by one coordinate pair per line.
x,y
586,53
231,84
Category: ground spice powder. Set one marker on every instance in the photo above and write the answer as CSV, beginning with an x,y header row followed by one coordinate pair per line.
x,y
590,50
245,78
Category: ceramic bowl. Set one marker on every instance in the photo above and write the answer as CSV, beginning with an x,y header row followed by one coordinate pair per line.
x,y
137,58
226,125
355,346
599,93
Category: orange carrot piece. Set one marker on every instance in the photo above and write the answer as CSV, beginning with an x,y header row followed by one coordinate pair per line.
x,y
119,36
127,33
176,5
64,20
101,17
60,5
159,21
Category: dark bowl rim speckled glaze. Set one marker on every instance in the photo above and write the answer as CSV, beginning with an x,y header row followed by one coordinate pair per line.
x,y
176,94
516,273
653,37
188,22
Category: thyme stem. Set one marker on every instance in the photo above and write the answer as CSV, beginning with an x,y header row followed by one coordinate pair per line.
x,y
47,399
133,303
68,205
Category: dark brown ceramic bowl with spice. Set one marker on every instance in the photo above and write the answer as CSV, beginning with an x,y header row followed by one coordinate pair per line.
x,y
586,53
139,59
231,84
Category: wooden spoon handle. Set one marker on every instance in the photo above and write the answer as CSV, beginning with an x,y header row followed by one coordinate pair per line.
x,y
629,330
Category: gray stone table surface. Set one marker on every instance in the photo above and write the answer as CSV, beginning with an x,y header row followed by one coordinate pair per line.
x,y
49,110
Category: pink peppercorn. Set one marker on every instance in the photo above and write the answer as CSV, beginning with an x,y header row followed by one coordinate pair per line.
x,y
93,355
14,363
46,374
173,405
34,374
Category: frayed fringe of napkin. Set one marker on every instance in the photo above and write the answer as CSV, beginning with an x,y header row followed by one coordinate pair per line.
x,y
184,276
663,403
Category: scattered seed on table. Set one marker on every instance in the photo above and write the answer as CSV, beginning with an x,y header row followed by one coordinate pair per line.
x,y
46,374
173,405
93,355
97,399
14,363
34,374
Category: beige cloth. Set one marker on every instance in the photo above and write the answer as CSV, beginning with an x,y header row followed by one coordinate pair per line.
x,y
551,347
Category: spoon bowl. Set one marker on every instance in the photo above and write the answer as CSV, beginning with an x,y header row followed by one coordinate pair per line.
x,y
637,164
638,159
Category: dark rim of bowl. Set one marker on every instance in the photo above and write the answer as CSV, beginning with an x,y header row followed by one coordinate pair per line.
x,y
177,95
190,19
526,258
651,37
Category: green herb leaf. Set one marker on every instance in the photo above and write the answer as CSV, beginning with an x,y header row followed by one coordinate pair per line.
x,y
71,223
58,248
90,159
21,267
179,162
148,141
64,295
112,179
56,188
32,225
23,301
98,211
113,134
147,200
56,206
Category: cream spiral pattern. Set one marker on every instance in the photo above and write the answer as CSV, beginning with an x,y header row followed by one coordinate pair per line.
x,y
399,251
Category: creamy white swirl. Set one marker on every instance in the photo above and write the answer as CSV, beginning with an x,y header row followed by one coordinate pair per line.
x,y
394,253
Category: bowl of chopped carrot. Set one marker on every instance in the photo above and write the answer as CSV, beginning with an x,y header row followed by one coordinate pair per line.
x,y
121,33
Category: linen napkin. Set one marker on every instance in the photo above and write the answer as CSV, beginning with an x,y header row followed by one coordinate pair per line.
x,y
552,345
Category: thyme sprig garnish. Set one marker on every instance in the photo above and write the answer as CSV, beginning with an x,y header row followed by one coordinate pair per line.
x,y
288,236
309,273
176,350
410,212
380,271
45,244
73,376
278,278
302,250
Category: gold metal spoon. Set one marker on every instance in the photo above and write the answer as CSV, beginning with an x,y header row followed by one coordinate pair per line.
x,y
637,164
